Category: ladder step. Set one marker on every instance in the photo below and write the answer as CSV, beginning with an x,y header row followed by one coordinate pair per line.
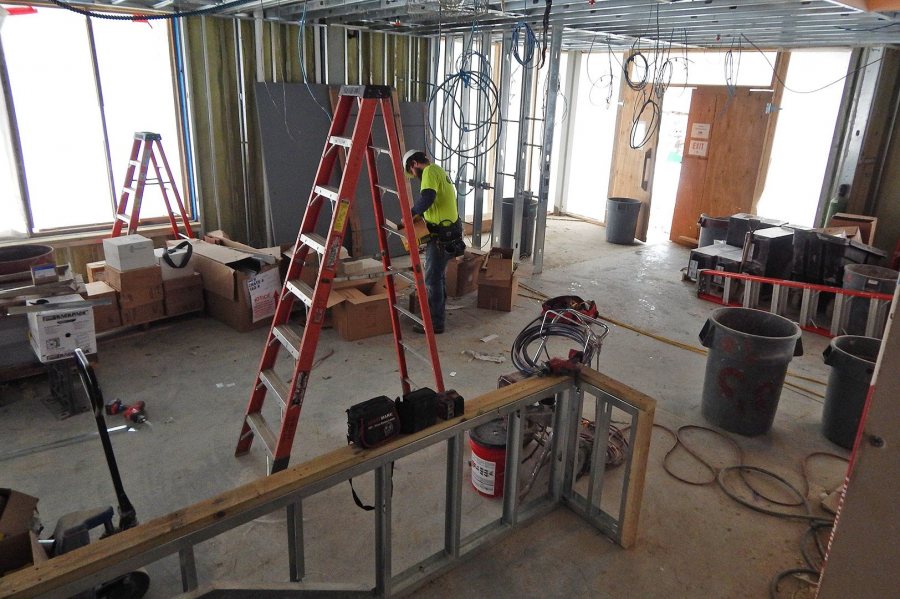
x,y
314,241
393,231
378,150
261,429
327,191
303,291
403,274
131,189
409,314
386,189
125,218
415,352
339,141
277,386
290,337
134,162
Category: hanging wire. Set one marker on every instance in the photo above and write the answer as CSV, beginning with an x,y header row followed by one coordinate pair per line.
x,y
302,51
528,42
209,10
454,118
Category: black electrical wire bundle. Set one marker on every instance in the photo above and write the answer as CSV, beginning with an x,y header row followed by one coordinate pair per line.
x,y
725,479
540,329
453,121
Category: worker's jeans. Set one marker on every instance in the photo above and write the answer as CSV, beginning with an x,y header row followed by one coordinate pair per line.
x,y
435,281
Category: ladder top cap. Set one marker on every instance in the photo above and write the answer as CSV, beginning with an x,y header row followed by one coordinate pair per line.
x,y
147,136
367,91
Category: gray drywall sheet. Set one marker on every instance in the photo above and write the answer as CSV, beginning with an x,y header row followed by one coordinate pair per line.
x,y
293,130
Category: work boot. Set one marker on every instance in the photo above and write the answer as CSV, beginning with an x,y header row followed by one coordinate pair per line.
x,y
421,330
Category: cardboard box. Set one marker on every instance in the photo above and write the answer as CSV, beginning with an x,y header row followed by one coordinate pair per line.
x,y
142,313
19,546
419,226
107,316
240,283
866,224
462,274
361,311
16,512
136,287
178,257
498,284
183,295
96,271
129,252
57,331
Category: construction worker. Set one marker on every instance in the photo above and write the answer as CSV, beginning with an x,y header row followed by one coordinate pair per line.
x,y
437,205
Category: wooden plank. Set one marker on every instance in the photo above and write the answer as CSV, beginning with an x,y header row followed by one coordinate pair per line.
x,y
94,558
723,181
691,183
640,450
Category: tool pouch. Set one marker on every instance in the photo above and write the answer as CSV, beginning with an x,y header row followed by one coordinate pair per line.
x,y
417,410
450,236
449,404
372,422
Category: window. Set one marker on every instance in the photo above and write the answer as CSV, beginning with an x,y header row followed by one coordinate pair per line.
x,y
64,131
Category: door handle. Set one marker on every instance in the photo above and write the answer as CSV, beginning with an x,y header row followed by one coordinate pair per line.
x,y
645,180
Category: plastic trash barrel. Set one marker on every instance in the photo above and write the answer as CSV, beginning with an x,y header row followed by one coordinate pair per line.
x,y
488,444
749,352
529,215
852,360
866,277
712,229
621,220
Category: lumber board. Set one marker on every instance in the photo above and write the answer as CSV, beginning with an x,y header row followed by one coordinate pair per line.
x,y
640,450
53,574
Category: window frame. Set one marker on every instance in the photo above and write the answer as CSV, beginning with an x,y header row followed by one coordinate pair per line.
x,y
187,187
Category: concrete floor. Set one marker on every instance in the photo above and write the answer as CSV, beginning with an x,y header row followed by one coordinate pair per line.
x,y
195,373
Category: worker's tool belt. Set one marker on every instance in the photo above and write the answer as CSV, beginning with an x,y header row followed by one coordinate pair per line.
x,y
449,236
372,422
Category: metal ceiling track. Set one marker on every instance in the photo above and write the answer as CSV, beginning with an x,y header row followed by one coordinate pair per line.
x,y
696,23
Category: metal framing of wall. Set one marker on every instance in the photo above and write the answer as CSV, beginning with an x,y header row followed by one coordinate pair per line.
x,y
181,531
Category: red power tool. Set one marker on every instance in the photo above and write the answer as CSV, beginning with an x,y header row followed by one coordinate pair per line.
x,y
132,413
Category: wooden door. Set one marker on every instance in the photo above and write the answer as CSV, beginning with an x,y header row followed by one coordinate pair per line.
x,y
632,168
723,150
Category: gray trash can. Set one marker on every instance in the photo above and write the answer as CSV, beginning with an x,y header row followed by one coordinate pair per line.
x,y
866,277
749,353
621,220
852,360
529,215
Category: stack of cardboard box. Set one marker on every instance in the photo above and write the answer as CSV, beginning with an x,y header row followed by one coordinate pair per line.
x,y
106,316
462,273
498,284
132,270
182,284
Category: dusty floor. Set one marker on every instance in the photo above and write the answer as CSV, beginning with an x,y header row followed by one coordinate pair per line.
x,y
195,373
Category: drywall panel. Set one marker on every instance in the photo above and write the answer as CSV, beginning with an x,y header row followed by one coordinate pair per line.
x,y
293,130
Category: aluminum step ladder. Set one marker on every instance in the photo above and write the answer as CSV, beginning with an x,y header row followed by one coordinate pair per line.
x,y
301,342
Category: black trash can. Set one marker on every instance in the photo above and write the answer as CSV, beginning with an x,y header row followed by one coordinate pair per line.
x,y
621,220
866,277
852,360
712,229
529,215
749,353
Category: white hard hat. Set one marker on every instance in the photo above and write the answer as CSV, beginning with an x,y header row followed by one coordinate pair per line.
x,y
409,154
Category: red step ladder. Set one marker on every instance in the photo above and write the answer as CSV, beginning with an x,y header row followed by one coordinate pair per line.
x,y
144,152
301,344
